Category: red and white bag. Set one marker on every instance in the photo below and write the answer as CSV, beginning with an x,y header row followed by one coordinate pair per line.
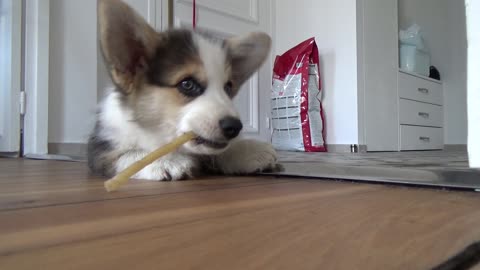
x,y
297,113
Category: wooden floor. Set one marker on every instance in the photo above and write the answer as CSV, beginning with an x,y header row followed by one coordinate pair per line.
x,y
54,216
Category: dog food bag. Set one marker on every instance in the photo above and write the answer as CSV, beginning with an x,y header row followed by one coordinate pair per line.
x,y
297,114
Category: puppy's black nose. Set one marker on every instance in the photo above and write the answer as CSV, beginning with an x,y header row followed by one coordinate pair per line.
x,y
230,126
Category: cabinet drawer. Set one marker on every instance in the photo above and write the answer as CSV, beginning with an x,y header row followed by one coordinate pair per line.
x,y
420,138
414,88
420,114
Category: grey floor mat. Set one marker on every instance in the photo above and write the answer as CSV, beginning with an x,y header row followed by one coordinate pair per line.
x,y
426,168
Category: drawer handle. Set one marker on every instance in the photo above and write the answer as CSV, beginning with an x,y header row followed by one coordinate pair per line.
x,y
424,114
423,90
424,139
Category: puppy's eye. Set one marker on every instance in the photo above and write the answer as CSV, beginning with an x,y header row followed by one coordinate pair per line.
x,y
228,87
190,87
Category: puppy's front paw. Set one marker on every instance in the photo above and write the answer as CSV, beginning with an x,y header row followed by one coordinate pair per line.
x,y
175,167
248,156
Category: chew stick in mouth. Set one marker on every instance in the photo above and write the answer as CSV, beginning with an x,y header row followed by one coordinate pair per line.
x,y
123,177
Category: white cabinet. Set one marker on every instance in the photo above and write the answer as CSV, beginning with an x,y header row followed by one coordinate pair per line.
x,y
417,113
378,66
397,110
420,138
417,87
420,112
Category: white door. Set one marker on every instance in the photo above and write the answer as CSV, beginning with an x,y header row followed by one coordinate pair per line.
x,y
236,17
10,69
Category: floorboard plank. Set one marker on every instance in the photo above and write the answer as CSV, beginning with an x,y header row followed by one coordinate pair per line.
x,y
32,184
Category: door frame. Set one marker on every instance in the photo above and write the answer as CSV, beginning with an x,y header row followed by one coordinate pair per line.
x,y
11,137
36,76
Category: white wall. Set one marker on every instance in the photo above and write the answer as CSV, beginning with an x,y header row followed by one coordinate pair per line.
x,y
473,20
73,70
333,24
443,24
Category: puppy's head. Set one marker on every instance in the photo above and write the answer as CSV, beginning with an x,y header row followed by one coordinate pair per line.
x,y
178,80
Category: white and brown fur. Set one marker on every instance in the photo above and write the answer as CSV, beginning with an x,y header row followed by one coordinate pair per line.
x,y
150,104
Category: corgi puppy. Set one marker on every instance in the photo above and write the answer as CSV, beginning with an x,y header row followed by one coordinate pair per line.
x,y
168,83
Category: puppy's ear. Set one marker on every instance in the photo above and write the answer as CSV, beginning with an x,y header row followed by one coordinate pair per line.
x,y
247,53
127,43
